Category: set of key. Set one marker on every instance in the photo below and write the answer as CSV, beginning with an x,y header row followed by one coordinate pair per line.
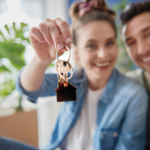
x,y
65,90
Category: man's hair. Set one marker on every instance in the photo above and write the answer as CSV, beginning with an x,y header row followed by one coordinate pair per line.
x,y
134,10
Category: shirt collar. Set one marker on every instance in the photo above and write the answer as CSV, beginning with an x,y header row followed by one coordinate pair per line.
x,y
79,76
109,91
146,82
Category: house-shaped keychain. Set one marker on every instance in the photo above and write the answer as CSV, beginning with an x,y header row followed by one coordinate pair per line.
x,y
66,93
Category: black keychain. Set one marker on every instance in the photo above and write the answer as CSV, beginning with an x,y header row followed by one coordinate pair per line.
x,y
65,90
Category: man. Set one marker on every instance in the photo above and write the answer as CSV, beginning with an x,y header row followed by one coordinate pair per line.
x,y
136,35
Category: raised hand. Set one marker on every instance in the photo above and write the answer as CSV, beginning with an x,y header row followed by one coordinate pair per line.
x,y
48,37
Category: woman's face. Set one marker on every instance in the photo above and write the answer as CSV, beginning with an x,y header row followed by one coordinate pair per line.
x,y
97,49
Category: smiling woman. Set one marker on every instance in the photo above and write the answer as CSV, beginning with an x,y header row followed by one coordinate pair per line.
x,y
99,50
98,46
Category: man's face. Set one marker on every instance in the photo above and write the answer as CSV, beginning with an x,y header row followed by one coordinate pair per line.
x,y
136,35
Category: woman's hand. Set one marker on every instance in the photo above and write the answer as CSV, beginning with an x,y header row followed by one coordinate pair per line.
x,y
48,37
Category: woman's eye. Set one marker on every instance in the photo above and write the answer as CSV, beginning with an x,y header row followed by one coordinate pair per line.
x,y
91,46
110,43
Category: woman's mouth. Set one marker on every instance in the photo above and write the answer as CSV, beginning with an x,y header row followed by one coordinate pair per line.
x,y
102,65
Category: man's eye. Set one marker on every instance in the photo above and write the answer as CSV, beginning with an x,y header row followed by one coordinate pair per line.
x,y
109,43
130,44
148,35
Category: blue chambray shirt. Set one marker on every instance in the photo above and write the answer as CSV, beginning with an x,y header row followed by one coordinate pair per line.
x,y
121,112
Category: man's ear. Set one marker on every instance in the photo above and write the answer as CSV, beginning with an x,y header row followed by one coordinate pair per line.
x,y
75,51
123,33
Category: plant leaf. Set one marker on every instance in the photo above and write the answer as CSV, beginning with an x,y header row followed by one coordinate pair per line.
x,y
7,87
4,69
51,65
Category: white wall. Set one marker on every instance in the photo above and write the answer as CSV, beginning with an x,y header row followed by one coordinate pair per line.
x,y
42,9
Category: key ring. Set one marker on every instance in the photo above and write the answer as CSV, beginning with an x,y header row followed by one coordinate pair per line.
x,y
69,54
59,61
59,71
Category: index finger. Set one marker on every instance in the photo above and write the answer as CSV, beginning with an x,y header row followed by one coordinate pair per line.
x,y
65,30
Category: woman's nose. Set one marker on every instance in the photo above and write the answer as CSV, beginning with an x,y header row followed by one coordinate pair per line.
x,y
102,53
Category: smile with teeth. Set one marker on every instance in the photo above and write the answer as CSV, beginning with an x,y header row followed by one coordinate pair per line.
x,y
102,64
146,59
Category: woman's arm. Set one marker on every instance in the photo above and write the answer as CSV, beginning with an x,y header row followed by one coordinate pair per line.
x,y
32,75
48,37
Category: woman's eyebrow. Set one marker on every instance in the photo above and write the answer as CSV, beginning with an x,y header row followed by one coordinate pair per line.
x,y
111,38
92,40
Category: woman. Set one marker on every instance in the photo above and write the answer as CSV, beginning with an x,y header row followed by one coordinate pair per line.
x,y
110,111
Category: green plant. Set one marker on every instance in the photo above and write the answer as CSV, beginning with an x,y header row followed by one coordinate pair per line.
x,y
124,63
12,48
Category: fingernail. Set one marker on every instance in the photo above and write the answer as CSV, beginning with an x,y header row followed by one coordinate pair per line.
x,y
68,40
59,46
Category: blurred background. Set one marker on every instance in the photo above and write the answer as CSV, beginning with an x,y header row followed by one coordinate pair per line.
x,y
20,119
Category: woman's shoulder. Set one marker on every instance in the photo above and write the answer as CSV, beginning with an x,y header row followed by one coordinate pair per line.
x,y
127,85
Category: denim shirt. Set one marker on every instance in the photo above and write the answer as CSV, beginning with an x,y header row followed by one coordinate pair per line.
x,y
121,112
